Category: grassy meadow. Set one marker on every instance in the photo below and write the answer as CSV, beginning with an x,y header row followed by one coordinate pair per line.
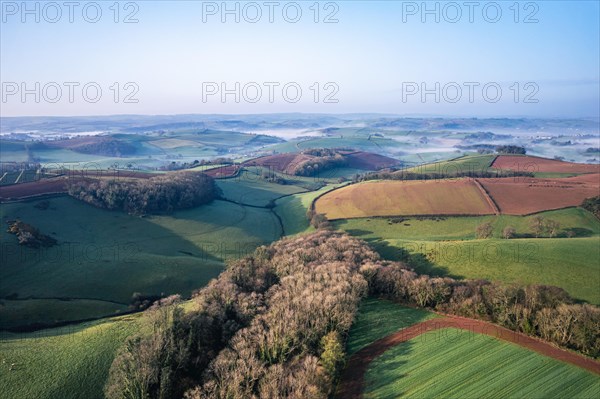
x,y
69,362
447,246
107,256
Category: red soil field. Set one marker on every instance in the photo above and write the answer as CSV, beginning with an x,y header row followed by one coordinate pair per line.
x,y
524,195
223,172
405,198
351,383
535,164
59,184
76,142
41,187
284,163
369,161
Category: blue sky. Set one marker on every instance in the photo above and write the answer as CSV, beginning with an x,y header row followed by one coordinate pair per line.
x,y
371,58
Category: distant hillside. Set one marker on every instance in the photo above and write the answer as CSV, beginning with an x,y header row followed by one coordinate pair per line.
x,y
312,161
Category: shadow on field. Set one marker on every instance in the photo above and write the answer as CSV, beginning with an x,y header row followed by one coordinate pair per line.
x,y
389,376
416,260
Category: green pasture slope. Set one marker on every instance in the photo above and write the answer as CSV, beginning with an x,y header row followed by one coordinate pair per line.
x,y
447,246
107,256
69,362
292,209
452,363
378,318
463,164
250,188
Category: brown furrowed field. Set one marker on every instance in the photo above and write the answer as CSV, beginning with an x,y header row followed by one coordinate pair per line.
x,y
223,172
399,198
369,160
58,184
535,164
522,196
41,187
283,163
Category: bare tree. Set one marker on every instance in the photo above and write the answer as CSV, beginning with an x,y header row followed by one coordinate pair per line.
x,y
484,230
509,232
537,226
552,227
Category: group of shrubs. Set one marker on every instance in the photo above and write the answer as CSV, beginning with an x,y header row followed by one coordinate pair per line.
x,y
160,194
539,226
274,324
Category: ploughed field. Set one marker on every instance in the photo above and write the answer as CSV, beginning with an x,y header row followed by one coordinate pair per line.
x,y
535,164
511,195
523,195
391,198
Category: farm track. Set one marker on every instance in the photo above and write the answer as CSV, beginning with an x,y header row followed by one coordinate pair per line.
x,y
351,385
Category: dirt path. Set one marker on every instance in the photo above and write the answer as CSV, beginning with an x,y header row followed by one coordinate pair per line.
x,y
352,380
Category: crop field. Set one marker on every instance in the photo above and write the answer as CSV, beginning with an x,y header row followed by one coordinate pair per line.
x,y
104,255
535,164
44,186
397,198
378,318
453,363
284,163
521,196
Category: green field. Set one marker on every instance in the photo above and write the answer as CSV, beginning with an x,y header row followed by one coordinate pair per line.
x,y
378,318
250,188
453,363
48,311
581,222
63,363
105,255
448,247
292,209
464,164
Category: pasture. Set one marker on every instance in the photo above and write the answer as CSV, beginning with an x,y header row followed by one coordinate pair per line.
x,y
397,198
107,256
576,220
249,187
69,362
463,164
453,363
292,209
447,246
